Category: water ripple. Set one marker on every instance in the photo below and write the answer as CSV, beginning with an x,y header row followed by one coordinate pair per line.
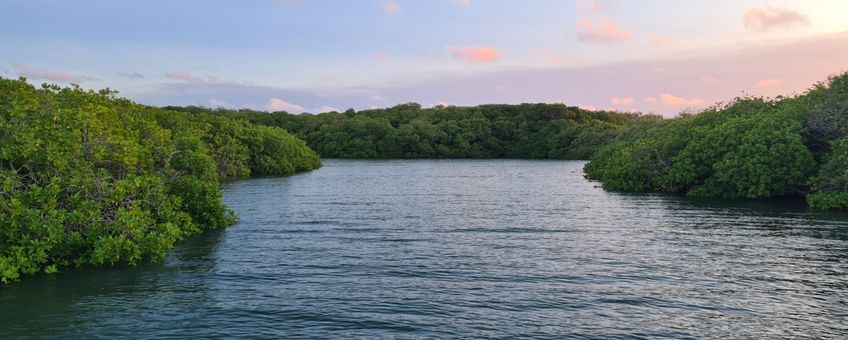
x,y
464,249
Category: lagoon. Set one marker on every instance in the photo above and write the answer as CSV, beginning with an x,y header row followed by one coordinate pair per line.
x,y
464,248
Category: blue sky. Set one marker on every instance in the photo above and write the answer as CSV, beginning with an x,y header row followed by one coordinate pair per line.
x,y
317,55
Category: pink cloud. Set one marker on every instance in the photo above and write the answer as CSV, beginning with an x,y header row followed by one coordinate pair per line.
x,y
475,54
660,40
276,104
670,100
709,79
188,77
391,7
45,74
768,82
587,107
181,75
764,19
593,6
600,31
378,98
650,100
381,57
660,70
622,101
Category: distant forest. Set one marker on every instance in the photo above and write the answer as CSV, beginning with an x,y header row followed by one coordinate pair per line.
x,y
554,131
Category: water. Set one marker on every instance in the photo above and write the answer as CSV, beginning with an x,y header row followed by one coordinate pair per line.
x,y
440,249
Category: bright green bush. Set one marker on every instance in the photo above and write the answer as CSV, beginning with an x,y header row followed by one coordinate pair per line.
x,y
88,178
828,200
751,148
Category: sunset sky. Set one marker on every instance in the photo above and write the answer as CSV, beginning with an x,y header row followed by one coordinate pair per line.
x,y
319,55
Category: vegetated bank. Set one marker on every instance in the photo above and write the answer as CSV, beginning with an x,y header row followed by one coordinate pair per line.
x,y
749,148
553,131
90,178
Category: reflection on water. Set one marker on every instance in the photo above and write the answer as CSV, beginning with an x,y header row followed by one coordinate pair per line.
x,y
500,248
100,301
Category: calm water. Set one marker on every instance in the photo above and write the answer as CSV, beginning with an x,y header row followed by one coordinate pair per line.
x,y
441,249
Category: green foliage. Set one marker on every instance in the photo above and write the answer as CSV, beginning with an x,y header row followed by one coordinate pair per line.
x,y
751,148
88,178
831,183
486,131
826,113
828,200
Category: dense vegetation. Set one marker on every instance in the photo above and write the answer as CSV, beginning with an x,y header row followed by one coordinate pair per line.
x,y
89,178
487,131
750,148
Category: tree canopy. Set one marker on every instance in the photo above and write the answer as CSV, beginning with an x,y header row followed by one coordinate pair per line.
x,y
749,148
90,178
552,131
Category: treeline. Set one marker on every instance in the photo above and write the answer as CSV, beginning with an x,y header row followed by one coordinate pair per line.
x,y
488,131
90,178
749,148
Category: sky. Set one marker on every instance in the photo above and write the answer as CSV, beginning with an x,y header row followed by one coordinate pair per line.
x,y
663,56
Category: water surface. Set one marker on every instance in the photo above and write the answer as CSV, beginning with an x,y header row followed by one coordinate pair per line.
x,y
464,248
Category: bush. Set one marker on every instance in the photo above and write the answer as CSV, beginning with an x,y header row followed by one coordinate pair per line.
x,y
486,131
88,178
751,148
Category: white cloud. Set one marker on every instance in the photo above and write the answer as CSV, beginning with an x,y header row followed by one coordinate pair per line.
x,y
131,75
709,79
769,82
276,104
325,108
46,74
215,103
